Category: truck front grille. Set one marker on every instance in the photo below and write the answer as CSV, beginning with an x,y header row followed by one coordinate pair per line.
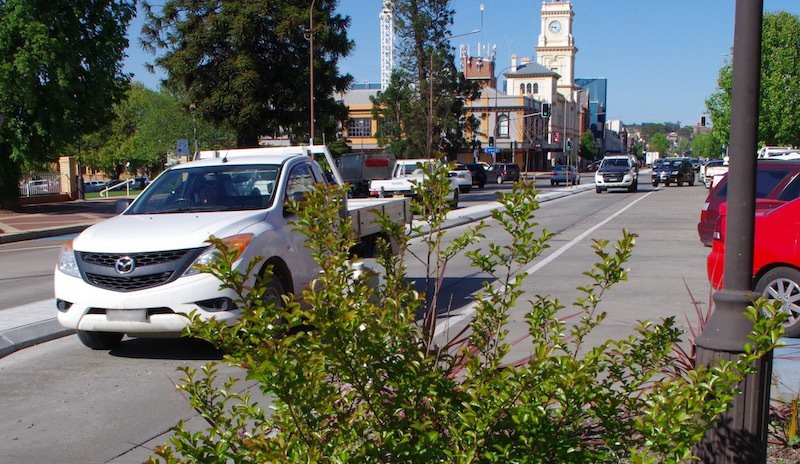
x,y
128,284
122,272
142,259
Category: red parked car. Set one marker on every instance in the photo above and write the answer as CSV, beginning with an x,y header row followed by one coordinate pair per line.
x,y
776,256
774,180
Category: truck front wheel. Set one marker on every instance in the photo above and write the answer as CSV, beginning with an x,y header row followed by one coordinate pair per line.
x,y
99,340
273,291
454,201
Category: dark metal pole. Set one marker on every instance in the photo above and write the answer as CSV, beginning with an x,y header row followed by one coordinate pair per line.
x,y
311,69
740,436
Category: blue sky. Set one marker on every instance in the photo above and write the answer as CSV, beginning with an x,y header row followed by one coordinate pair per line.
x,y
661,58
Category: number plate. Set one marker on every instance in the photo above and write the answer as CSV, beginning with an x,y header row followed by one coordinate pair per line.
x,y
127,315
398,195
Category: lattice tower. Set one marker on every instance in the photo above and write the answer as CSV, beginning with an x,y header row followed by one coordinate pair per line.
x,y
387,43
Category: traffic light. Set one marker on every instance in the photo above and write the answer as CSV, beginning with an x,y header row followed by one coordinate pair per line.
x,y
491,141
545,110
569,144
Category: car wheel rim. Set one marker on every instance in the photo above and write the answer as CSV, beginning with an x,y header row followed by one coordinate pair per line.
x,y
787,292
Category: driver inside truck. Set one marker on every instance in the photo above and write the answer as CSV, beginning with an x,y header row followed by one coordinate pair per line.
x,y
207,194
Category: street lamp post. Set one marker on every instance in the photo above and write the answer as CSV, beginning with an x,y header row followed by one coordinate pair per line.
x,y
193,107
311,69
740,434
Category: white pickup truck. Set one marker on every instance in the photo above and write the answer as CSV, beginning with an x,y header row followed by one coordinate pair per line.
x,y
712,172
134,273
407,173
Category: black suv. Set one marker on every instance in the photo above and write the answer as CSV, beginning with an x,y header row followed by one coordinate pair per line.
x,y
503,172
678,170
479,176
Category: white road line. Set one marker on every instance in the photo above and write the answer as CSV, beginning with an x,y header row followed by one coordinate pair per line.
x,y
470,308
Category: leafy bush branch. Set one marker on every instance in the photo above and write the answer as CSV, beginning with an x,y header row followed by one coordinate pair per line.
x,y
353,373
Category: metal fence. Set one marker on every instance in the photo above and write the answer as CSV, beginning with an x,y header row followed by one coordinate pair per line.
x,y
40,183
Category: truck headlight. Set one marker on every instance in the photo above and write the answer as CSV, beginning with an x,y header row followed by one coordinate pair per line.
x,y
674,173
237,243
67,262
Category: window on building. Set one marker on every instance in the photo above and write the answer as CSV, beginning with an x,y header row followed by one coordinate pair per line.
x,y
359,127
522,89
536,88
502,126
529,88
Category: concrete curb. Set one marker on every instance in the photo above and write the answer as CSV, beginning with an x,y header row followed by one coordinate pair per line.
x,y
32,334
43,233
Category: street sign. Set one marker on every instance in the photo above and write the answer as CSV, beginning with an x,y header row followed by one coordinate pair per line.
x,y
182,147
491,150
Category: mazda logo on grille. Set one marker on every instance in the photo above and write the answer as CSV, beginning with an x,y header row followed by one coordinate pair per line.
x,y
125,265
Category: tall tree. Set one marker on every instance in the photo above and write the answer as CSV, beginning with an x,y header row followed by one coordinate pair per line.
x,y
60,74
245,64
659,143
588,147
779,107
144,131
707,146
422,111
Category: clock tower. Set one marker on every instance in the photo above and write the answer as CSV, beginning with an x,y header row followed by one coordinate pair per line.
x,y
556,48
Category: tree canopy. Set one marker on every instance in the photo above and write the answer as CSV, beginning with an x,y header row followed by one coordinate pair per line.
x,y
588,148
145,129
421,112
659,143
707,146
245,65
779,107
60,75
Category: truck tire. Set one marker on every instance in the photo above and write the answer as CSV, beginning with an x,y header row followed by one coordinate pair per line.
x,y
454,201
634,186
691,181
99,340
598,190
708,182
783,284
655,183
273,290
499,179
680,182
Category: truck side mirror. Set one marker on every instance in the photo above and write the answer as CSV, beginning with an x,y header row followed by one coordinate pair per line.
x,y
296,197
121,205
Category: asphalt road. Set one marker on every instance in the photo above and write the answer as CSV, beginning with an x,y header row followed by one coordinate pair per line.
x,y
65,403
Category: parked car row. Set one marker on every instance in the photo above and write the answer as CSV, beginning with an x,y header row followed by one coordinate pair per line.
x,y
95,185
39,186
776,241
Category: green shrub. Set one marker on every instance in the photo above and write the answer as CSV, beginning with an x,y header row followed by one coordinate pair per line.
x,y
355,375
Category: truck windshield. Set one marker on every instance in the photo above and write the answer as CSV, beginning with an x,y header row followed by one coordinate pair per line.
x,y
616,162
208,189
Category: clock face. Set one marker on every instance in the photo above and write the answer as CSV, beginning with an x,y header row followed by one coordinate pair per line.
x,y
555,27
